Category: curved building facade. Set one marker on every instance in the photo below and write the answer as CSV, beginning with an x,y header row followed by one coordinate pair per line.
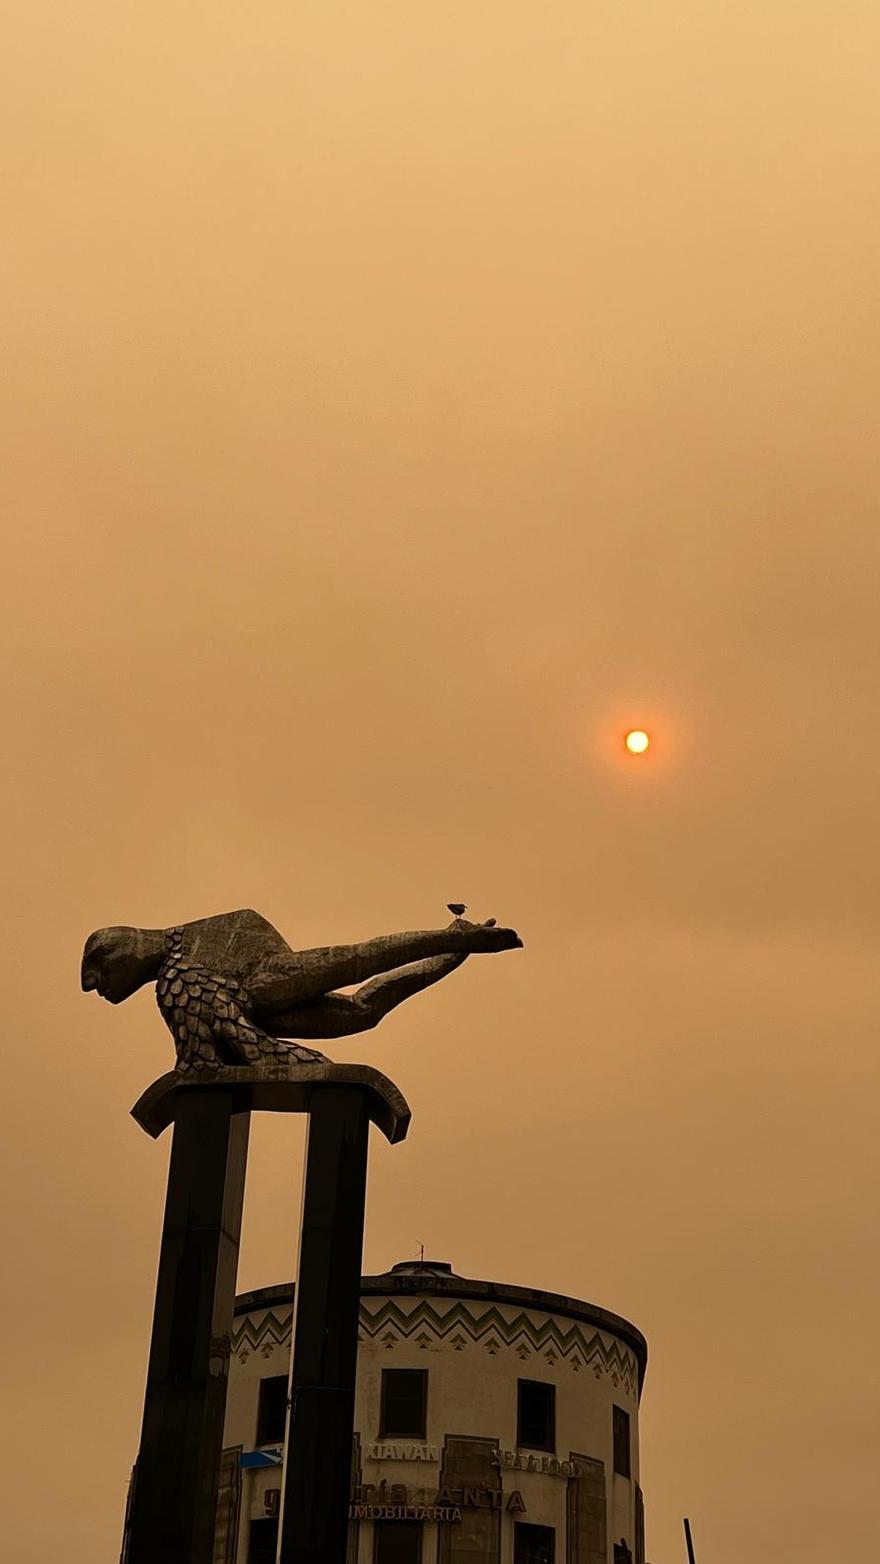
x,y
493,1423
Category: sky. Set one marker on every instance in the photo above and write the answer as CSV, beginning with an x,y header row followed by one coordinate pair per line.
x,y
400,401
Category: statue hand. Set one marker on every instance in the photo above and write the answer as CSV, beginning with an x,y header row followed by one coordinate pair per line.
x,y
487,937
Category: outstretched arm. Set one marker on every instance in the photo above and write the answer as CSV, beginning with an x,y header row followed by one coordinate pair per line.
x,y
283,984
341,1015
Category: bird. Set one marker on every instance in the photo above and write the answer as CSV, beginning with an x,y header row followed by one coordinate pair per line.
x,y
459,908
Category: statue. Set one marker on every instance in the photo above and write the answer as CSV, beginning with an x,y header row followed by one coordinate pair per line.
x,y
230,989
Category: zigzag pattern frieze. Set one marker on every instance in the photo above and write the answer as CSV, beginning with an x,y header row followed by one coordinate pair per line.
x,y
459,1325
493,1328
273,1330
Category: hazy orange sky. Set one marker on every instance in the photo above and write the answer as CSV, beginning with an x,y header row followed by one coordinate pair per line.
x,y
398,401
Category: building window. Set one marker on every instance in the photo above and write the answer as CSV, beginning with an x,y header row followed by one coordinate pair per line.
x,y
404,1410
397,1542
622,1463
272,1410
534,1544
263,1542
536,1415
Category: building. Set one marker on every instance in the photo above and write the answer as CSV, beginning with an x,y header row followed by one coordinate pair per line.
x,y
492,1423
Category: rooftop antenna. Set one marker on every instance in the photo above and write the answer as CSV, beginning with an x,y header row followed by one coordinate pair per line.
x,y
422,1253
692,1557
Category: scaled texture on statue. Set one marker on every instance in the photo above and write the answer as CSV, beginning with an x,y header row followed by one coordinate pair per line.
x,y
230,988
208,1017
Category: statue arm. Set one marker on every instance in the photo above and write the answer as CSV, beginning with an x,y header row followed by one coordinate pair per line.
x,y
282,985
342,1015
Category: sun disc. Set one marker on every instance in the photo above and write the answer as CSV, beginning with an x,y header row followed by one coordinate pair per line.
x,y
637,741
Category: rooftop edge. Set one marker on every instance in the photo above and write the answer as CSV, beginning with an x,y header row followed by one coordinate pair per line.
x,y
411,1278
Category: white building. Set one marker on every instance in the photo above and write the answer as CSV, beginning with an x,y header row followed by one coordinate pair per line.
x,y
493,1423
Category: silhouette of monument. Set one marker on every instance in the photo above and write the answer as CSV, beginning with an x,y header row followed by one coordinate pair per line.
x,y
233,992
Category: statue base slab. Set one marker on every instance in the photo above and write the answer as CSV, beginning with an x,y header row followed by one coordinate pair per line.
x,y
276,1088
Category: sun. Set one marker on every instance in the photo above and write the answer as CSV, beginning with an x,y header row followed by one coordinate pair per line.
x,y
637,741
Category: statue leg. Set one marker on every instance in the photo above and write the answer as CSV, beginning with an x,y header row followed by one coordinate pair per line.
x,y
284,985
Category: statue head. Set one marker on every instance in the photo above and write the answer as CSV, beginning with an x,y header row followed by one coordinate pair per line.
x,y
118,961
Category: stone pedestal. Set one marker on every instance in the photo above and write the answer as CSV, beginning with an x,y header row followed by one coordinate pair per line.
x,y
175,1494
317,1471
175,1484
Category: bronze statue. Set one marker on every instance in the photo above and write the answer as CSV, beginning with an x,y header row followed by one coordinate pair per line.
x,y
230,988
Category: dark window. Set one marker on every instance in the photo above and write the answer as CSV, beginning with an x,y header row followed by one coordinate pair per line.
x,y
263,1541
621,1443
272,1410
536,1415
397,1542
533,1544
404,1412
